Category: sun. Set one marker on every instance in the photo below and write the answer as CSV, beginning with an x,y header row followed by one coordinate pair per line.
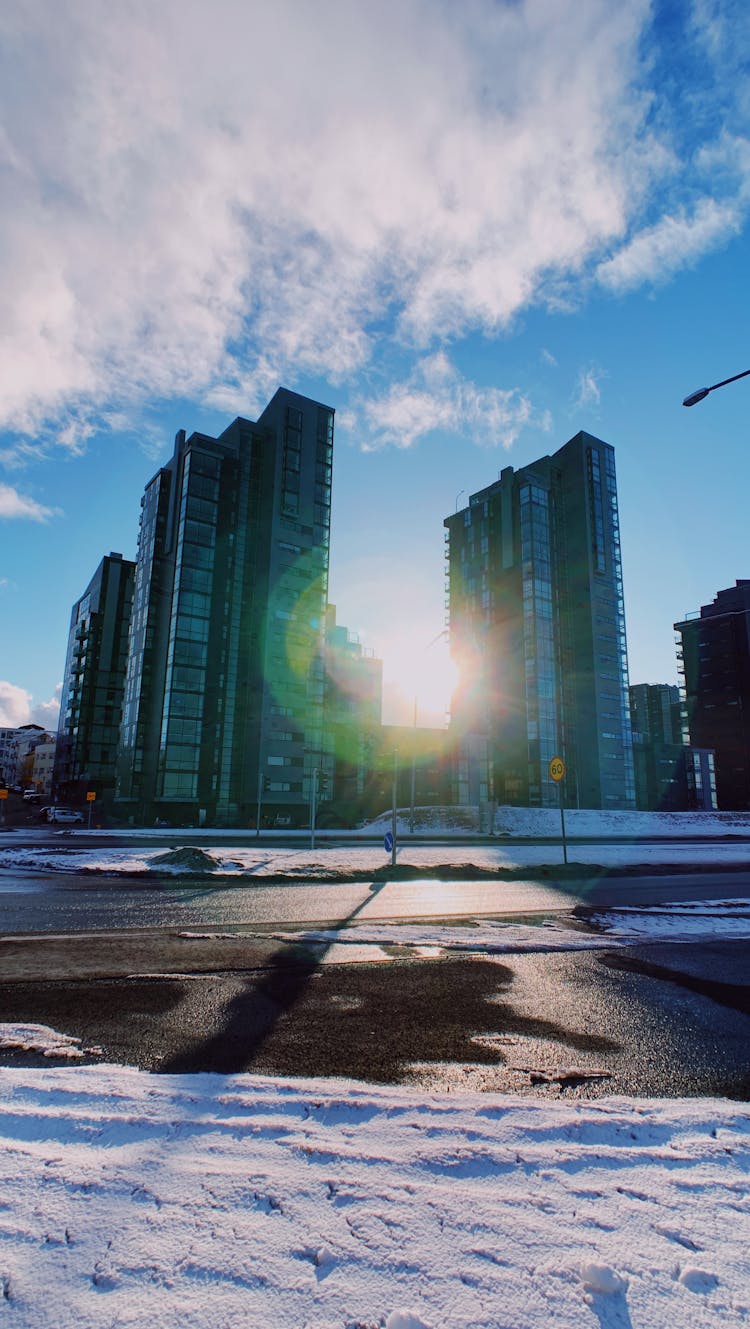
x,y
413,673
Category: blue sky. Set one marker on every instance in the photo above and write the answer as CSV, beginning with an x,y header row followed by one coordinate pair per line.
x,y
473,229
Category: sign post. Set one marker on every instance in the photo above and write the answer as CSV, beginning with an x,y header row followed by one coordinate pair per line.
x,y
260,805
394,818
557,773
90,799
3,796
313,804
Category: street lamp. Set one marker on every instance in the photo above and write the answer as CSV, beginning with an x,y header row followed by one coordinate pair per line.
x,y
695,397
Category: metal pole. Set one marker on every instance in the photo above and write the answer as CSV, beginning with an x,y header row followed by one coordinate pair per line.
x,y
562,823
393,813
413,770
260,804
313,801
90,807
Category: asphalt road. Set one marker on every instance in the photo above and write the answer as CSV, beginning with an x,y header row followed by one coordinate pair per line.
x,y
576,1024
105,961
37,902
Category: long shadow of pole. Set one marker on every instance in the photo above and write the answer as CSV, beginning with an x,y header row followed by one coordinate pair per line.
x,y
252,1015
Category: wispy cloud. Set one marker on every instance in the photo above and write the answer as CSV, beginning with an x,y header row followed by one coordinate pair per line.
x,y
588,392
437,397
675,242
14,505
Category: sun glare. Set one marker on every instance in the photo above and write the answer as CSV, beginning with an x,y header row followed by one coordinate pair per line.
x,y
411,673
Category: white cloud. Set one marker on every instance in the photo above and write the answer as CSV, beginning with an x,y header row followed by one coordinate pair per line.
x,y
673,243
204,202
589,391
14,705
47,713
435,396
13,504
17,707
548,358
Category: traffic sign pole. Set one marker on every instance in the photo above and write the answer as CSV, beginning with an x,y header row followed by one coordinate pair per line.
x,y
394,819
313,805
562,824
557,773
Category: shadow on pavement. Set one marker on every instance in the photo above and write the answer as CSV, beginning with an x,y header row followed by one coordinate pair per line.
x,y
253,1014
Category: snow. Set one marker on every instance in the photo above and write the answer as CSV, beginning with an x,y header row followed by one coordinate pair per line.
x,y
40,1038
578,822
206,1201
332,863
681,921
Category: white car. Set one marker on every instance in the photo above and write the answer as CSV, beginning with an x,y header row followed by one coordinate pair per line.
x,y
65,817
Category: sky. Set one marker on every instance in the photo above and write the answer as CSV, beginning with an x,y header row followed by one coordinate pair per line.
x,y
472,229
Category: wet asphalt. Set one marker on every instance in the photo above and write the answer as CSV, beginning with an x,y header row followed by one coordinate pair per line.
x,y
657,1019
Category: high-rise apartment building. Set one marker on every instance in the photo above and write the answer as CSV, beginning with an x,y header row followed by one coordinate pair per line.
x,y
714,658
93,683
223,708
537,629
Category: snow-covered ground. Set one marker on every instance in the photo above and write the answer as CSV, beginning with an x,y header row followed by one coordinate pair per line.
x,y
464,821
578,822
210,1202
333,862
681,921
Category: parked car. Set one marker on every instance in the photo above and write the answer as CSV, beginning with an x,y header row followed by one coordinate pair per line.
x,y
31,795
64,817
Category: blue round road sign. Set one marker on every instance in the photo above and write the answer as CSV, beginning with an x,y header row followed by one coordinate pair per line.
x,y
388,842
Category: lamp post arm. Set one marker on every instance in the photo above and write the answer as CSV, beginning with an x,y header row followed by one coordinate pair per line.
x,y
694,397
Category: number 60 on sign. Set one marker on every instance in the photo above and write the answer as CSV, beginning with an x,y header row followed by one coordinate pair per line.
x,y
557,769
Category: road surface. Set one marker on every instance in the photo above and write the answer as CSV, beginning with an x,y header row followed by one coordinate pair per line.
x,y
38,902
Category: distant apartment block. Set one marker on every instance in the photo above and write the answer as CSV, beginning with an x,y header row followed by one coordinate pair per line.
x,y
93,683
7,737
43,765
537,629
714,657
224,696
670,775
352,717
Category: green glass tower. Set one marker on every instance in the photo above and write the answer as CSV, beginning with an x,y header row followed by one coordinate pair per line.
x,y
537,628
223,707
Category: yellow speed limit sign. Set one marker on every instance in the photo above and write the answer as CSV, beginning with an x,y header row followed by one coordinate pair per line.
x,y
557,769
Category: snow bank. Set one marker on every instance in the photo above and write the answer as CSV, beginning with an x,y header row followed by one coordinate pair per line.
x,y
205,1201
359,862
578,822
685,921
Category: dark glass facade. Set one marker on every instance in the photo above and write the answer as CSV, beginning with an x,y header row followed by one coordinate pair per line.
x,y
537,626
714,658
93,684
224,695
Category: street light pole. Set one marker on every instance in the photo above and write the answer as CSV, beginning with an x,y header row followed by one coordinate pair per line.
x,y
694,397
